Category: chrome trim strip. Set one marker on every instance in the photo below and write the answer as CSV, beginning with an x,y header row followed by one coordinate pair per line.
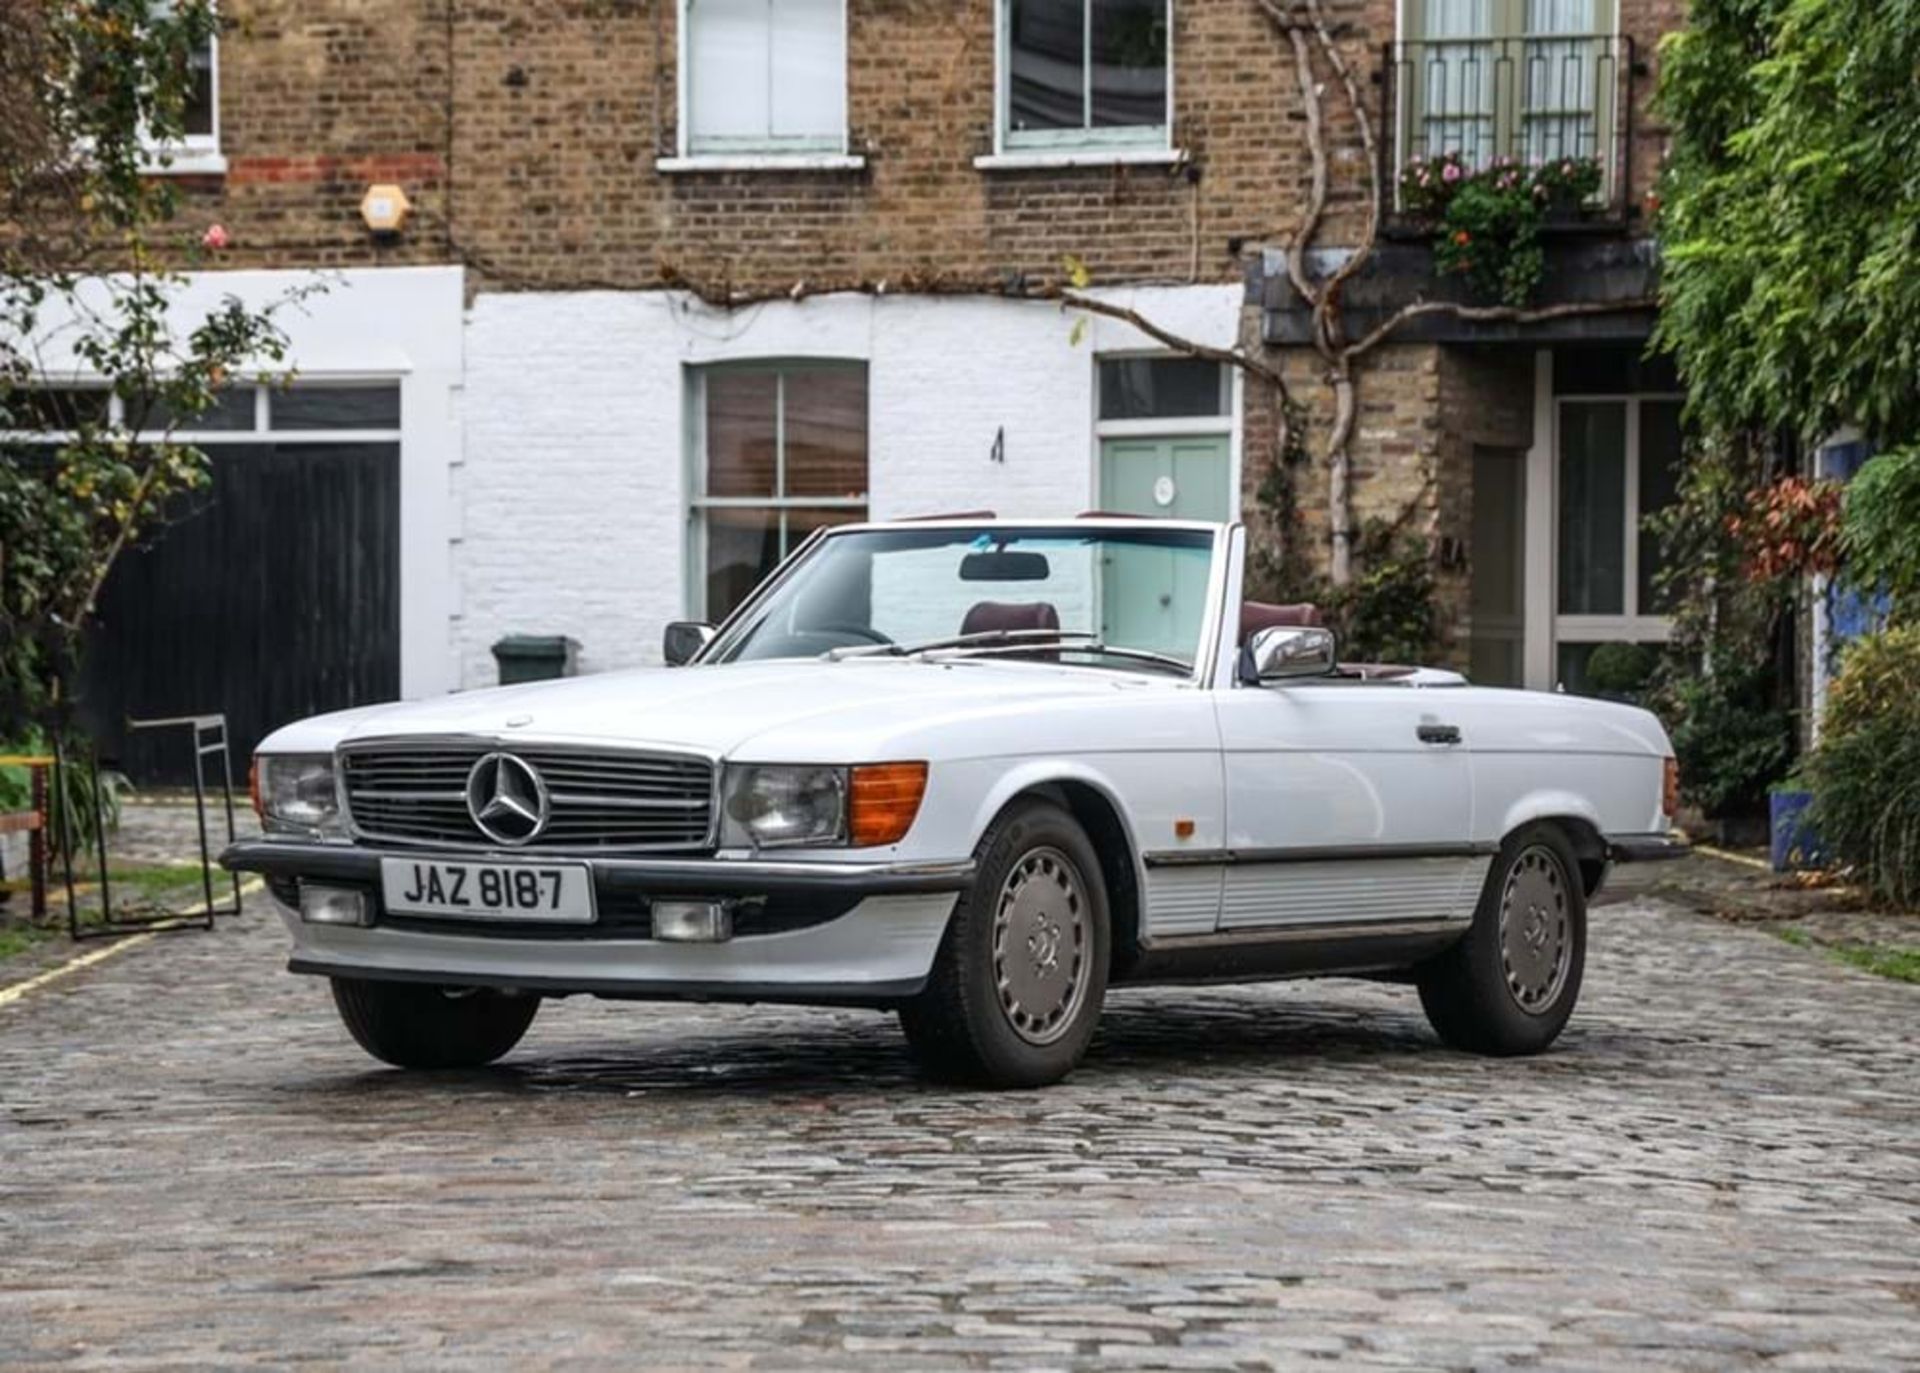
x,y
1319,930
293,859
1310,853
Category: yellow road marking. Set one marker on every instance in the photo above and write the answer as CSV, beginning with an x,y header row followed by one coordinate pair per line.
x,y
18,990
1728,857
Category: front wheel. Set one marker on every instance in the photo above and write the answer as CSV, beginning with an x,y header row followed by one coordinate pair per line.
x,y
1508,987
414,1026
1022,972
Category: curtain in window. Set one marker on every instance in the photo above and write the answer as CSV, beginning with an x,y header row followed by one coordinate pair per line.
x,y
765,75
1458,77
1593,508
1559,113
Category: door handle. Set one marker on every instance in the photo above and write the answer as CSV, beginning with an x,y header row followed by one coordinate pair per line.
x,y
1438,734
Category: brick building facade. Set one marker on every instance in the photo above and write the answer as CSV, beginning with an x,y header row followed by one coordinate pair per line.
x,y
880,179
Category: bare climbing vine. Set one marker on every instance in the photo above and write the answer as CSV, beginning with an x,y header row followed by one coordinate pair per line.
x,y
1315,47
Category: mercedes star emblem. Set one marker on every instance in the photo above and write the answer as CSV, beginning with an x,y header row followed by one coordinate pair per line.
x,y
507,799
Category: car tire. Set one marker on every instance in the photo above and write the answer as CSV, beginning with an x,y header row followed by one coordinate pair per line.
x,y
411,1025
1508,987
1021,975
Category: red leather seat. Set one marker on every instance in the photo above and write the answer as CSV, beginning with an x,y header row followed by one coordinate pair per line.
x,y
1258,615
987,617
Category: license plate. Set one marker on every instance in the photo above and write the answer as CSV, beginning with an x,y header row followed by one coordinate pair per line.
x,y
558,892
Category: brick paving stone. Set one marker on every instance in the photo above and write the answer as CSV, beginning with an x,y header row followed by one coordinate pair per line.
x,y
1720,1164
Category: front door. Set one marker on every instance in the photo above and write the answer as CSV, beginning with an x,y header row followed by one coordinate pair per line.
x,y
1346,802
1499,576
1147,593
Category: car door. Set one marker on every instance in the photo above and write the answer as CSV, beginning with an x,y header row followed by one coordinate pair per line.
x,y
1346,802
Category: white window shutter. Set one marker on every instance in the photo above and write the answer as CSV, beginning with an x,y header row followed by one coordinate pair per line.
x,y
809,71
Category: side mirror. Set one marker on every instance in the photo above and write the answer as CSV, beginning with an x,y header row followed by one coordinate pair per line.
x,y
683,640
1283,652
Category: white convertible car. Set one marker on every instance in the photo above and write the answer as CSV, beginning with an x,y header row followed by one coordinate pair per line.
x,y
975,771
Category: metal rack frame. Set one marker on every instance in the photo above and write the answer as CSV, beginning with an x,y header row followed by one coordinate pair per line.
x,y
209,734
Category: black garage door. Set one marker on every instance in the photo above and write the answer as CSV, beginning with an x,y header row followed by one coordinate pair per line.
x,y
275,596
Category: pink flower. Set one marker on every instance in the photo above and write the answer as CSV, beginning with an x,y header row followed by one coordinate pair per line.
x,y
215,238
1452,173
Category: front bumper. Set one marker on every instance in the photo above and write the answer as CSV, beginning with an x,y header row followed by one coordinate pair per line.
x,y
828,932
1647,848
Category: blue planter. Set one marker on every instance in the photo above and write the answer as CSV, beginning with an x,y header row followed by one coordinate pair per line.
x,y
1795,847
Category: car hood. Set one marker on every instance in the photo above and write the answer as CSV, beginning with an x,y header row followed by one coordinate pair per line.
x,y
789,706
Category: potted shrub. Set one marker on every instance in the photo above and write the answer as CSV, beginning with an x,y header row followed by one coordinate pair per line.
x,y
1865,771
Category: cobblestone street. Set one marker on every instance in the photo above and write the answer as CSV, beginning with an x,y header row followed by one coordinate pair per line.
x,y
1719,1164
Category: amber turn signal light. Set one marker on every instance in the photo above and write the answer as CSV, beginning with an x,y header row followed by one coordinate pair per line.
x,y
253,790
884,798
1670,789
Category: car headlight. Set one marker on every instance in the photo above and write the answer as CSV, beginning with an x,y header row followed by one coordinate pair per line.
x,y
768,807
295,794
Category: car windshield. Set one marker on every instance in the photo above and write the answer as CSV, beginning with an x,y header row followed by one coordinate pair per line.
x,y
1131,599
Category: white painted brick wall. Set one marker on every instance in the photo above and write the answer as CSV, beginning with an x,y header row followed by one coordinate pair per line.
x,y
572,493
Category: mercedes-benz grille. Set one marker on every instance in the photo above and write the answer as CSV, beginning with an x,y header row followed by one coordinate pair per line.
x,y
594,799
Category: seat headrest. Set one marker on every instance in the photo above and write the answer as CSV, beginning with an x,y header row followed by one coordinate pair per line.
x,y
988,617
1258,615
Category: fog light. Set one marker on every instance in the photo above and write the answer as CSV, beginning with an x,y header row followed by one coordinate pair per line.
x,y
692,922
332,906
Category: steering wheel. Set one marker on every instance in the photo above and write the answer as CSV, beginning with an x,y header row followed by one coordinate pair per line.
x,y
867,632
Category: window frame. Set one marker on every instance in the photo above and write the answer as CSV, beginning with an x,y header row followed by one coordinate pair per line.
x,y
698,501
1088,146
826,153
194,154
1221,421
261,430
1633,624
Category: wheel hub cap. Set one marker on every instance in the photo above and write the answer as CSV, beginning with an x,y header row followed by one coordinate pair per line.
x,y
1040,952
1536,937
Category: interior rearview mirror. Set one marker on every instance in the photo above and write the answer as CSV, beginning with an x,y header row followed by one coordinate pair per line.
x,y
1283,652
683,640
1002,565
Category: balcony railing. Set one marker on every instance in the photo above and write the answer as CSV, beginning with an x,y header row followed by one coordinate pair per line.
x,y
1534,99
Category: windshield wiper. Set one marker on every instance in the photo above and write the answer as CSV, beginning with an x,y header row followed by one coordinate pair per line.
x,y
986,638
1132,655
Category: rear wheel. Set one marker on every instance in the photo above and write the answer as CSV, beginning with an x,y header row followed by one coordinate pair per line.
x,y
1510,985
1017,988
414,1026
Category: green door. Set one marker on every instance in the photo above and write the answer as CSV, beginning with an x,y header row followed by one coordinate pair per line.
x,y
1150,597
